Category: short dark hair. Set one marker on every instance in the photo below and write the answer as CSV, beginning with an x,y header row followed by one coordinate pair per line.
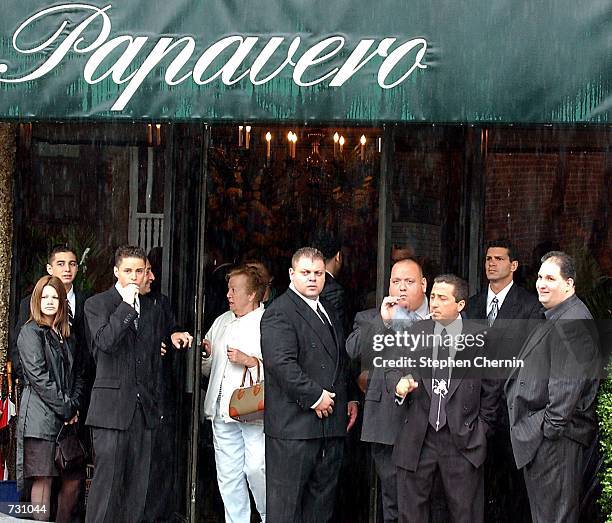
x,y
328,243
459,284
57,249
503,243
255,280
129,251
306,252
566,263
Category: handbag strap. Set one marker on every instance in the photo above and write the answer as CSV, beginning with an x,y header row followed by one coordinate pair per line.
x,y
246,371
69,426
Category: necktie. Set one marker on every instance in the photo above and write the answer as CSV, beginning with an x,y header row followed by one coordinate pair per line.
x,y
440,385
325,321
70,314
494,311
137,309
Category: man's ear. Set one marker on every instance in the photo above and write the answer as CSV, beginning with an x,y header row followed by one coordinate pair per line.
x,y
513,265
116,272
461,305
291,273
49,269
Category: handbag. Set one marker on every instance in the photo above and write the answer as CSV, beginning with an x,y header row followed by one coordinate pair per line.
x,y
69,451
247,403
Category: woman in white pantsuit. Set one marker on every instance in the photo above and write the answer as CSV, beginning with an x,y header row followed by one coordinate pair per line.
x,y
232,343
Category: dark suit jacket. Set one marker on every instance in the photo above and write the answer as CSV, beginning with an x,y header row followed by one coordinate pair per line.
x,y
381,417
470,409
333,292
517,317
553,394
127,360
78,331
301,358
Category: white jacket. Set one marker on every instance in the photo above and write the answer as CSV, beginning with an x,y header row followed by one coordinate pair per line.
x,y
239,333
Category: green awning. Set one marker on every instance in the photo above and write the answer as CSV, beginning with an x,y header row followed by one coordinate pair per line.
x,y
499,61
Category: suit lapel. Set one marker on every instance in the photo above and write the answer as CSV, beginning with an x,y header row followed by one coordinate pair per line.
x,y
458,372
427,330
508,310
530,343
315,323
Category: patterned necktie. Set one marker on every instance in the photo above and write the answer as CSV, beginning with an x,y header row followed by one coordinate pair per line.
x,y
70,314
494,311
440,385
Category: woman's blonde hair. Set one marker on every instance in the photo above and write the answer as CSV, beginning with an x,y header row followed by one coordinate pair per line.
x,y
60,320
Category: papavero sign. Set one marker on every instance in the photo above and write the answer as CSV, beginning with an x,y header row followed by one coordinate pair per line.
x,y
471,61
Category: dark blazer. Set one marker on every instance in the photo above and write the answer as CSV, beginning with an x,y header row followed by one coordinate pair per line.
x,y
553,394
470,409
333,292
127,360
517,317
77,329
381,417
301,358
518,304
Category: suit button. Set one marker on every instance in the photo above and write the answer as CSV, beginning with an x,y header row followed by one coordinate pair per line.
x,y
322,366
138,361
466,424
465,408
138,394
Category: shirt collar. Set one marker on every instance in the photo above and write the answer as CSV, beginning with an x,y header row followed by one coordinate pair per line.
x,y
559,310
311,303
118,287
239,318
501,295
452,329
423,310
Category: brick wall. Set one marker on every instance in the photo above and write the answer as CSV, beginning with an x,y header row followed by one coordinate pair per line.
x,y
534,198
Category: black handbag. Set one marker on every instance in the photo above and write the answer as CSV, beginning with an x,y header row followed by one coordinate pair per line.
x,y
69,451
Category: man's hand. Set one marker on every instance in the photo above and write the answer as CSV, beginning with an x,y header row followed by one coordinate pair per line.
x,y
240,358
129,293
405,386
179,337
388,307
326,405
353,409
206,349
73,420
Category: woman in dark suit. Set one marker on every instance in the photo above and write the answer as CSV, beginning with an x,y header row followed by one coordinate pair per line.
x,y
52,396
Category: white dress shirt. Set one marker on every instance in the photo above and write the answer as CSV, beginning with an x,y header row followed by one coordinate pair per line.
x,y
501,296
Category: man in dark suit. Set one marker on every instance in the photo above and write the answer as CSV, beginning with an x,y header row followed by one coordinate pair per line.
x,y
308,411
382,419
510,312
62,263
551,398
333,291
449,409
126,332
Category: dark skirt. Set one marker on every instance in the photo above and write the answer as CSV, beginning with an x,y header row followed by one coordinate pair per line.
x,y
39,460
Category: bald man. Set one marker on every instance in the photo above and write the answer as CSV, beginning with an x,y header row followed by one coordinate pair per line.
x,y
405,304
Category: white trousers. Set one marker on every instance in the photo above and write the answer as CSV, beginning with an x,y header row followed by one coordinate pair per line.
x,y
240,458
